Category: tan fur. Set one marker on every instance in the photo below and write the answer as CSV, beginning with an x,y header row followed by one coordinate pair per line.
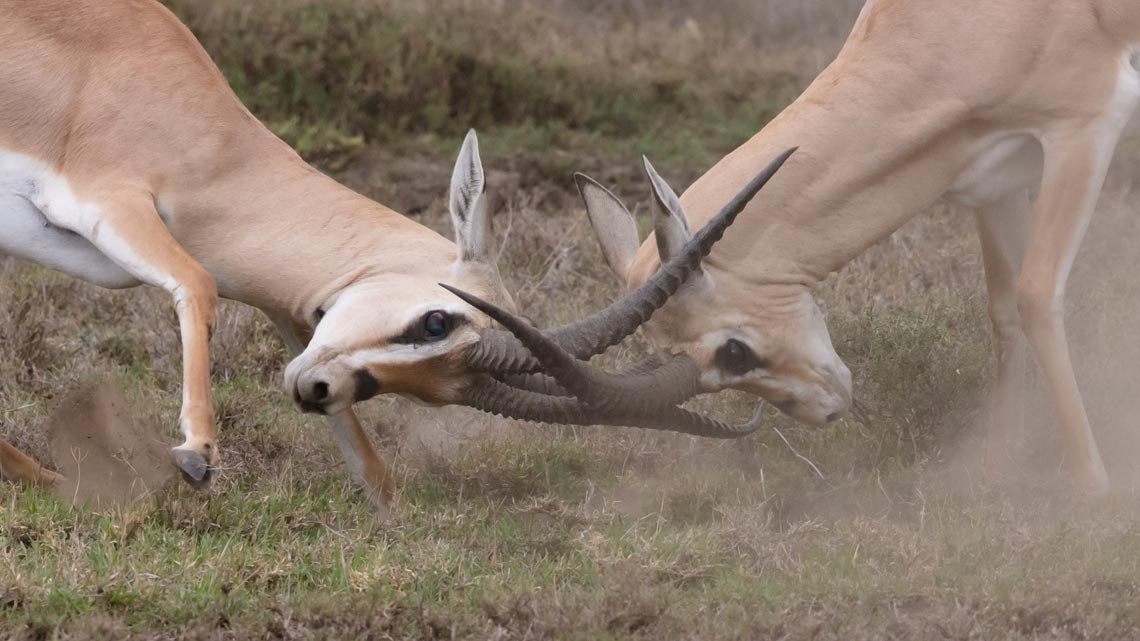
x,y
919,95
17,467
120,100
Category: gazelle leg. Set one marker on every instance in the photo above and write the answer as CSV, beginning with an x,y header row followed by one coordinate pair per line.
x,y
365,465
364,462
17,467
130,232
1075,167
1003,229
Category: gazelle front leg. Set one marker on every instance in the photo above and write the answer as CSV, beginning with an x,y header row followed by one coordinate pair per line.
x,y
365,465
1003,230
1075,167
128,230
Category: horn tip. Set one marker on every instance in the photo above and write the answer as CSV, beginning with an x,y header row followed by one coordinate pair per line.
x,y
470,299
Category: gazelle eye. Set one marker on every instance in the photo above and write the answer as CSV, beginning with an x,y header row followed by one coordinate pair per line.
x,y
436,326
737,359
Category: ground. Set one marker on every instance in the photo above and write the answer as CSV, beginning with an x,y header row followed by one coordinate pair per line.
x,y
902,520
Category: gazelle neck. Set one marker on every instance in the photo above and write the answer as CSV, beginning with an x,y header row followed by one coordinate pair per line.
x,y
856,177
882,134
278,234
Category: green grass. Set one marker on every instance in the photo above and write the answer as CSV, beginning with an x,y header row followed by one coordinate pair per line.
x,y
331,76
588,533
548,532
301,559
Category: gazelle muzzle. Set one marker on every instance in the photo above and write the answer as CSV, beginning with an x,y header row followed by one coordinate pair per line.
x,y
537,375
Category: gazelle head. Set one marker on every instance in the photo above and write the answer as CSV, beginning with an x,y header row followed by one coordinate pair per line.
x,y
396,330
399,332
769,341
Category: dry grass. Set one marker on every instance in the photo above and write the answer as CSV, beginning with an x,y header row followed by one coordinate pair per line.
x,y
911,530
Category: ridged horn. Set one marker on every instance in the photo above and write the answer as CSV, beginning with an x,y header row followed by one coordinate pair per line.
x,y
498,352
495,397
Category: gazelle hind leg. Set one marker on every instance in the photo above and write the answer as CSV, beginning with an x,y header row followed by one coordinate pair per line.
x,y
17,467
1075,165
1003,230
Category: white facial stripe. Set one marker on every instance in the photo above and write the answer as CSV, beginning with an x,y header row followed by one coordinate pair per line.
x,y
336,325
397,354
456,308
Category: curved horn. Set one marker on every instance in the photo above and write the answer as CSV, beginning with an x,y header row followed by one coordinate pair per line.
x,y
585,338
548,385
608,327
628,393
530,382
495,397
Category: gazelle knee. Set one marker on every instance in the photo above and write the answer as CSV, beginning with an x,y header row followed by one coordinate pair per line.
x,y
197,293
1005,319
1038,308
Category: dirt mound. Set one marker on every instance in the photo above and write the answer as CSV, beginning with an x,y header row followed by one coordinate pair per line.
x,y
104,453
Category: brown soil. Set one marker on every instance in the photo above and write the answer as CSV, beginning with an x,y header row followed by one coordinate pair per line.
x,y
107,456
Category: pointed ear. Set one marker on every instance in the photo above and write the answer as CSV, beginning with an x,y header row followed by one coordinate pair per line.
x,y
670,225
613,225
468,203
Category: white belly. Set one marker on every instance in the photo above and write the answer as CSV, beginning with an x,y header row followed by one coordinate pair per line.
x,y
1010,161
26,233
1005,164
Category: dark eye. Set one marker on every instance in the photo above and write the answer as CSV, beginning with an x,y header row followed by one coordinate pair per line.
x,y
737,358
319,314
436,326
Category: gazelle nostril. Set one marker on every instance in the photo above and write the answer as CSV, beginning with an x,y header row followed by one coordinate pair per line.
x,y
320,391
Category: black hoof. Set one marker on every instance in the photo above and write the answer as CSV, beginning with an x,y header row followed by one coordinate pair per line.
x,y
195,468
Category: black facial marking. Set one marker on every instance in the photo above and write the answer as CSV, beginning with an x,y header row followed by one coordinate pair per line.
x,y
366,385
738,359
433,326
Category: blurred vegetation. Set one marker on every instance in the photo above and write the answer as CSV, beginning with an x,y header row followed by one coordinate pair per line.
x,y
333,75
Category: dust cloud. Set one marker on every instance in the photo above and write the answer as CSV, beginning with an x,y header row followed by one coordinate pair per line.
x,y
107,456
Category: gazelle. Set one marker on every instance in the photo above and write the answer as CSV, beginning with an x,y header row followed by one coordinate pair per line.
x,y
987,103
126,159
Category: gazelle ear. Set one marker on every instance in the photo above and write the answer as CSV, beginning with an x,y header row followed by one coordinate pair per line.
x,y
670,225
468,203
613,225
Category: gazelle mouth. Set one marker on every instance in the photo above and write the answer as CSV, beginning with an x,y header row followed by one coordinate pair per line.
x,y
307,406
311,408
535,375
